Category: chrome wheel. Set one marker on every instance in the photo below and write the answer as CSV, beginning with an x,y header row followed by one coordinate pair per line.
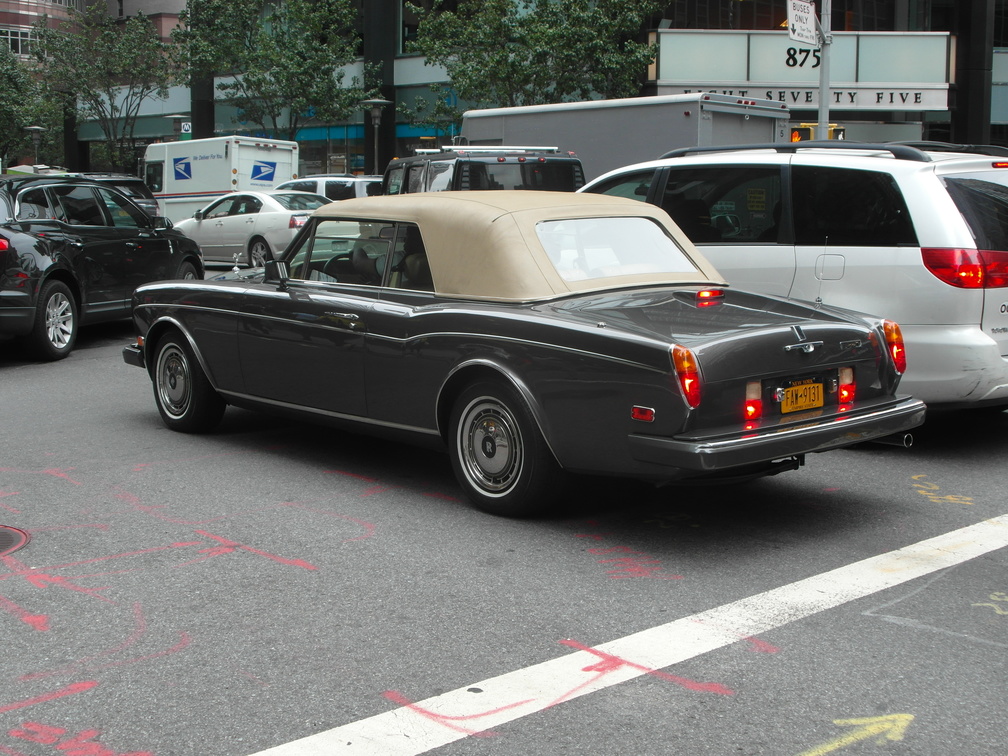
x,y
259,252
173,382
59,320
490,446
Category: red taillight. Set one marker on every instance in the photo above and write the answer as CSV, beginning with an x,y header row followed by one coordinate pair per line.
x,y
894,342
753,401
709,297
296,221
846,388
968,268
688,372
4,245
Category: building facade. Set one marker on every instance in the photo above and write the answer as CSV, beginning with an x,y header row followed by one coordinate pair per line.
x,y
900,69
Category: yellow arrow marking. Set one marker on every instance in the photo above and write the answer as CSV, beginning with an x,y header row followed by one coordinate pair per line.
x,y
887,727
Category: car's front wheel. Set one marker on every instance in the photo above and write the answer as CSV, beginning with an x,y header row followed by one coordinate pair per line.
x,y
56,322
186,271
259,252
186,400
499,456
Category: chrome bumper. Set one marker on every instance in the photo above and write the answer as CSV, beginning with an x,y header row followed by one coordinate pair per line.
x,y
723,452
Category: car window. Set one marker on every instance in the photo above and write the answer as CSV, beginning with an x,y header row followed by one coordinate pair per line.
x,y
80,205
221,208
395,178
410,268
246,205
725,203
414,178
33,204
154,176
590,248
342,251
299,186
843,206
440,175
984,205
123,214
631,185
300,201
339,190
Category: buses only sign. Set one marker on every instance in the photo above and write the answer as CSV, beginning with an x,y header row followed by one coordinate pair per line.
x,y
802,22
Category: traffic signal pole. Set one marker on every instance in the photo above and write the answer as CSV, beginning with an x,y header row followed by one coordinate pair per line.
x,y
825,42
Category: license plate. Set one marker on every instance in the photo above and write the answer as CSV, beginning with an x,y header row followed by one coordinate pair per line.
x,y
805,396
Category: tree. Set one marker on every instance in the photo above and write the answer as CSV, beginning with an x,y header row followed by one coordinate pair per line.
x,y
21,105
106,69
532,52
285,61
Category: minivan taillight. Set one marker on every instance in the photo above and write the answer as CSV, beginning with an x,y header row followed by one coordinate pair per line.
x,y
968,268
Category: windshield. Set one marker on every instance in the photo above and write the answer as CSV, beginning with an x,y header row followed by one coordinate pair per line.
x,y
589,248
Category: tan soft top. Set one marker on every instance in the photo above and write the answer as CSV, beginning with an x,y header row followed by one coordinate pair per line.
x,y
483,244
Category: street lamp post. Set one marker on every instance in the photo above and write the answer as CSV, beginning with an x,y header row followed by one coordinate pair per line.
x,y
36,137
375,105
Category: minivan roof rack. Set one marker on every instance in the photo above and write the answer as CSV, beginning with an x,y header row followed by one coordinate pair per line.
x,y
896,149
977,149
496,148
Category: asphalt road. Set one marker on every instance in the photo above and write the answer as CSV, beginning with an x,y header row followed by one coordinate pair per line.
x,y
242,591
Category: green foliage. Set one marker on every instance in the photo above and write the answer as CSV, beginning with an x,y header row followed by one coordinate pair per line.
x,y
532,52
22,105
106,70
441,113
285,60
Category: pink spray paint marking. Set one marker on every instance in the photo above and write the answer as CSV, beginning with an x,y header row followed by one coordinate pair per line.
x,y
38,622
54,472
4,494
450,722
139,631
229,547
610,663
69,690
368,527
84,743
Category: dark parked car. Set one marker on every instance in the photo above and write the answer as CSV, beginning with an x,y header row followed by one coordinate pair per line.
x,y
132,186
72,251
529,334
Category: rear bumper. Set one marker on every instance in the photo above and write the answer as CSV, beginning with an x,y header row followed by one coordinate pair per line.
x,y
724,452
133,355
17,313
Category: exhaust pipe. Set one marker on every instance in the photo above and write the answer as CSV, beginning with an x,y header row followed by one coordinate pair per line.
x,y
904,440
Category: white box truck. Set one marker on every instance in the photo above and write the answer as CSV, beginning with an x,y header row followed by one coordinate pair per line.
x,y
184,176
608,134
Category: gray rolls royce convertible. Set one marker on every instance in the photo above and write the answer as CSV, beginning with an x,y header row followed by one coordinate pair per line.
x,y
529,334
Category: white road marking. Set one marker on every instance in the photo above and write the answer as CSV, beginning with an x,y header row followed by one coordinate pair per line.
x,y
415,728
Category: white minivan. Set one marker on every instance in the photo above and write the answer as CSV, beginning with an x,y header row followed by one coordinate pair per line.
x,y
914,233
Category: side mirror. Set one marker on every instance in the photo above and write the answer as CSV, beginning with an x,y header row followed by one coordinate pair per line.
x,y
276,272
161,223
198,215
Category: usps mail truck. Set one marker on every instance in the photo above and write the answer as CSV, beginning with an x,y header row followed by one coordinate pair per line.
x,y
185,176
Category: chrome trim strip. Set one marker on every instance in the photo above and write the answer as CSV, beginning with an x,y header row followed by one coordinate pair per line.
x,y
330,413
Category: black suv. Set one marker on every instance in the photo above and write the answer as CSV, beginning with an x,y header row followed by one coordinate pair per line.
x,y
132,186
455,168
72,251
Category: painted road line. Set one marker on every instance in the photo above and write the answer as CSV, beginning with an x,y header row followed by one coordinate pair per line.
x,y
418,727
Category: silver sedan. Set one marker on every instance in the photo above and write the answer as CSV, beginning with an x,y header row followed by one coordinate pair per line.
x,y
249,227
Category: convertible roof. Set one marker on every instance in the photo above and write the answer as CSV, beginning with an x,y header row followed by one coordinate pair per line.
x,y
483,244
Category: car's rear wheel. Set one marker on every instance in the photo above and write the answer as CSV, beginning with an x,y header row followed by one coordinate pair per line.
x,y
499,456
55,331
186,271
259,252
186,400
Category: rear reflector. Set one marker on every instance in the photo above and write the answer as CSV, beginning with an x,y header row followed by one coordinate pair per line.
x,y
688,372
644,414
894,342
968,268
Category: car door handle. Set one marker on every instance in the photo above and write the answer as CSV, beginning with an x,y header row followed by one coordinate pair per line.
x,y
352,317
